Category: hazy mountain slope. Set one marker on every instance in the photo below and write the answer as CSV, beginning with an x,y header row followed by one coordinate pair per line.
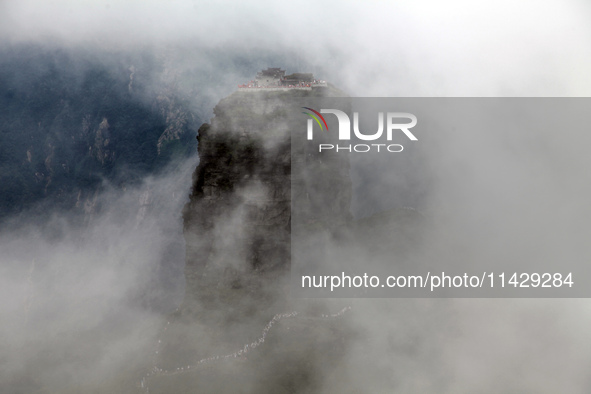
x,y
71,119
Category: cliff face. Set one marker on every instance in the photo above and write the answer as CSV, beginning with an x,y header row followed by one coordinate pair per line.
x,y
238,220
237,223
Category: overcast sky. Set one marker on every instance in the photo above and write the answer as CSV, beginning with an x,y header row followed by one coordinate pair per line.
x,y
384,48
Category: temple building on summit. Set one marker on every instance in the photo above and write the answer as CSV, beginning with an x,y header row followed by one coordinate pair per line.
x,y
270,77
275,78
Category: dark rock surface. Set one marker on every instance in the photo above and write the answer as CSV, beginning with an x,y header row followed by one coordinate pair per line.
x,y
238,220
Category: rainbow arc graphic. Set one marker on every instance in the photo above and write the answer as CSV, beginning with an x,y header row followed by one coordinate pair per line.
x,y
316,117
